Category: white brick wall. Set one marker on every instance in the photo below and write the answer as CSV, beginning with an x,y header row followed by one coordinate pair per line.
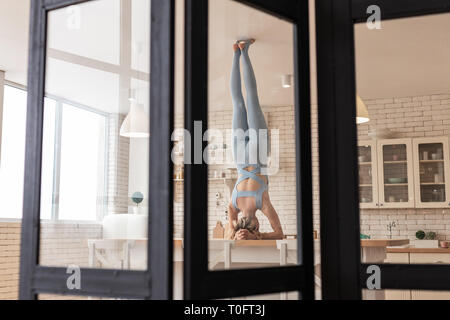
x,y
420,116
118,167
9,260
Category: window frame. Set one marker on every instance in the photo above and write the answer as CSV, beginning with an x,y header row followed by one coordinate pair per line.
x,y
343,274
199,282
59,102
156,281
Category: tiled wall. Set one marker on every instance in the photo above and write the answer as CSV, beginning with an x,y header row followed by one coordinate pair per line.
x,y
421,116
62,244
118,166
9,259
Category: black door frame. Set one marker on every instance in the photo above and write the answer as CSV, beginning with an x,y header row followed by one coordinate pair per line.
x,y
156,282
343,275
199,283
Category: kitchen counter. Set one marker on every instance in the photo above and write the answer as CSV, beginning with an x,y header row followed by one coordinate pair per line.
x,y
384,242
412,249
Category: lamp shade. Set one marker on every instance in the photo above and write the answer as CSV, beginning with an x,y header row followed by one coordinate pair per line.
x,y
136,124
362,115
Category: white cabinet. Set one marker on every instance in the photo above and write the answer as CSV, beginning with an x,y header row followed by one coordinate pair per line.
x,y
368,183
404,173
417,258
395,173
431,174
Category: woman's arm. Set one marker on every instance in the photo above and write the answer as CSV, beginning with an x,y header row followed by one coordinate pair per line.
x,y
274,220
232,221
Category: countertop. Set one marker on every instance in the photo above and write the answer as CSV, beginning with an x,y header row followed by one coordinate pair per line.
x,y
384,242
412,249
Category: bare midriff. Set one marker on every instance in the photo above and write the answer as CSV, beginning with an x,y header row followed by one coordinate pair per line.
x,y
248,203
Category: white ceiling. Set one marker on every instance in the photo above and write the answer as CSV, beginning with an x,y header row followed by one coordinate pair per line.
x,y
272,53
407,57
14,16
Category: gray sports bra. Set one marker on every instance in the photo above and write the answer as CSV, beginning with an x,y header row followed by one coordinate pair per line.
x,y
257,194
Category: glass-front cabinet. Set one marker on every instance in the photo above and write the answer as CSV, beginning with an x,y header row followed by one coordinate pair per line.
x,y
396,182
368,184
404,173
431,158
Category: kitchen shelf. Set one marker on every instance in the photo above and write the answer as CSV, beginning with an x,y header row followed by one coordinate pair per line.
x,y
396,162
432,161
396,184
365,185
432,184
365,163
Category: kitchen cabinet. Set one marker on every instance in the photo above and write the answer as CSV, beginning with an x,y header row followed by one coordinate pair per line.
x,y
404,173
417,256
368,184
395,173
397,294
434,258
431,174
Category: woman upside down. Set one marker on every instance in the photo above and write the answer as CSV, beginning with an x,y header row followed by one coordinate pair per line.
x,y
251,190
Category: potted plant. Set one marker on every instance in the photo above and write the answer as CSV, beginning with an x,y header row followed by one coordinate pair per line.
x,y
137,198
426,239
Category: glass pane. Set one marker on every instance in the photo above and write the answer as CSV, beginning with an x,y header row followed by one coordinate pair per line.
x,y
94,205
365,174
91,31
395,168
403,81
12,153
251,151
432,175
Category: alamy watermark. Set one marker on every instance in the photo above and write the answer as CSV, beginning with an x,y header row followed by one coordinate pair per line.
x,y
228,147
374,20
74,280
374,280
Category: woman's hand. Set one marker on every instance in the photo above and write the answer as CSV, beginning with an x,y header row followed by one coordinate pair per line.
x,y
244,234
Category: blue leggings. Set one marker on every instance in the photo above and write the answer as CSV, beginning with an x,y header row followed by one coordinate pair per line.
x,y
247,137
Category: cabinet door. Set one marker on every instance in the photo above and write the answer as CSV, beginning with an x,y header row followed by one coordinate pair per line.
x,y
368,178
431,174
395,173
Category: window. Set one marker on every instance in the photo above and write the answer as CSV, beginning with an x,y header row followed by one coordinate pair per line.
x,y
62,187
12,154
74,151
82,147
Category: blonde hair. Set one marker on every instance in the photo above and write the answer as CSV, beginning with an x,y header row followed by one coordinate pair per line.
x,y
248,223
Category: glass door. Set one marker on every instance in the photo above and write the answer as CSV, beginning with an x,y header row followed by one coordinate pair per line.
x,y
368,174
94,176
396,173
431,172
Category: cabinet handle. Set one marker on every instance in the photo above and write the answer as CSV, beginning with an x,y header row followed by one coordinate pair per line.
x,y
381,204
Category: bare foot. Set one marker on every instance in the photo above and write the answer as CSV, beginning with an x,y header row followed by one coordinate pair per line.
x,y
235,47
243,43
